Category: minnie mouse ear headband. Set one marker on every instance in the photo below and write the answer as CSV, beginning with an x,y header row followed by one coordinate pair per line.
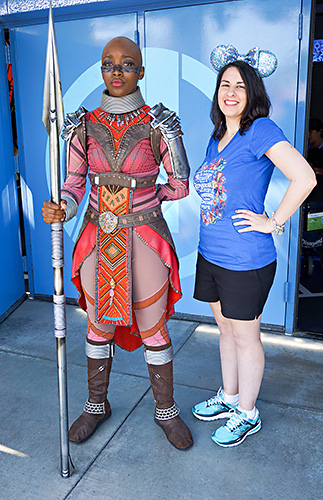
x,y
263,61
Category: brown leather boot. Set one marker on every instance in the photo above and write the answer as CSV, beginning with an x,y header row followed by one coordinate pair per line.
x,y
166,411
97,408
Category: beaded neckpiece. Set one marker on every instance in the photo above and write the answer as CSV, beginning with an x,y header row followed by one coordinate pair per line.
x,y
120,120
120,123
119,113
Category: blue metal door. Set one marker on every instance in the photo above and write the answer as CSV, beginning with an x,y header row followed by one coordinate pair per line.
x,y
179,42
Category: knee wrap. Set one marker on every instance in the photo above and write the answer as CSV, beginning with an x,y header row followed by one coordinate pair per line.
x,y
158,357
103,351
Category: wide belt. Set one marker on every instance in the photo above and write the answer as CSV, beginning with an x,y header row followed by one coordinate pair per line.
x,y
108,221
124,180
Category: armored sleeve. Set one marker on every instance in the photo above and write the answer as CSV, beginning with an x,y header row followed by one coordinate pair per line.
x,y
174,188
168,123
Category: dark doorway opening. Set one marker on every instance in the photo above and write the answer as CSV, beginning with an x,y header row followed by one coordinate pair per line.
x,y
310,304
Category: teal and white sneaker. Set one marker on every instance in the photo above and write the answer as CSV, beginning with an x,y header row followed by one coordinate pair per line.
x,y
235,430
213,408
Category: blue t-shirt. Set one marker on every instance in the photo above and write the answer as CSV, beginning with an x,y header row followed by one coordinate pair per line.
x,y
236,178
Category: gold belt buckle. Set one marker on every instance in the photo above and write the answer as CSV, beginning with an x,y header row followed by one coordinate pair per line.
x,y
108,222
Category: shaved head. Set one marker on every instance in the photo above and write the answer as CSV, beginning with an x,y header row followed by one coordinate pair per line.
x,y
129,46
121,66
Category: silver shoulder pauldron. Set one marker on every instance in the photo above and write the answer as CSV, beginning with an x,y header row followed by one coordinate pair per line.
x,y
72,121
168,123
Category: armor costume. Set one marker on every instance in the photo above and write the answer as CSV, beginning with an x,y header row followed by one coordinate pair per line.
x,y
124,261
123,153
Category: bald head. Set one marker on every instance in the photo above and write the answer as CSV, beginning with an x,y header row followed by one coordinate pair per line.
x,y
129,47
121,66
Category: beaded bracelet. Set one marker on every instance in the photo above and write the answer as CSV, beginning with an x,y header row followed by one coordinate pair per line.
x,y
278,228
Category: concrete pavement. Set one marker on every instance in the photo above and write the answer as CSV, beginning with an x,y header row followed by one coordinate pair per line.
x,y
129,456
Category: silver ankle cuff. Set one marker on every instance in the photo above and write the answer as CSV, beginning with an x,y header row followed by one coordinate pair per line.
x,y
94,408
167,413
158,357
99,351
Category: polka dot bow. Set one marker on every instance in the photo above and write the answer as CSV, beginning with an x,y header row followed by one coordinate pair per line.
x,y
263,61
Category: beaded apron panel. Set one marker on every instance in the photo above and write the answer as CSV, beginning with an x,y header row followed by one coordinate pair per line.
x,y
117,135
113,290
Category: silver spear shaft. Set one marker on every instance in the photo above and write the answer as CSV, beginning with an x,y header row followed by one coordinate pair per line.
x,y
53,117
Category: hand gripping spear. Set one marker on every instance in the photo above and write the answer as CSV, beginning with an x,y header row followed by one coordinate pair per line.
x,y
53,117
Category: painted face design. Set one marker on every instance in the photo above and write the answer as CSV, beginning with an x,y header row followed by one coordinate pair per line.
x,y
127,66
121,67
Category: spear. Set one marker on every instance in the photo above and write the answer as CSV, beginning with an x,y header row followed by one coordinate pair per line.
x,y
53,117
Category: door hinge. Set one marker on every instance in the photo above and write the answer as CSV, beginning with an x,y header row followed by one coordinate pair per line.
x,y
17,166
300,26
8,54
287,291
25,264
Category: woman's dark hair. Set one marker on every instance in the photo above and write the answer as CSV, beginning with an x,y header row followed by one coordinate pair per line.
x,y
258,102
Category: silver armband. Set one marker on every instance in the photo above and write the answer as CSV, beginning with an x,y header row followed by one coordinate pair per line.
x,y
71,207
169,124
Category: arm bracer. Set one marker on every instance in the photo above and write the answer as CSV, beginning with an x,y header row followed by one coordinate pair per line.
x,y
168,123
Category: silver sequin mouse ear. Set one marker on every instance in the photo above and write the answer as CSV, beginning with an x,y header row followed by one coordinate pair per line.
x,y
263,61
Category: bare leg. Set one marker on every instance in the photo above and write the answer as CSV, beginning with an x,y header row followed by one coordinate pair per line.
x,y
228,352
251,360
242,357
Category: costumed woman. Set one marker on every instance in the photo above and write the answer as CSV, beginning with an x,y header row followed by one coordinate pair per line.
x,y
236,254
124,261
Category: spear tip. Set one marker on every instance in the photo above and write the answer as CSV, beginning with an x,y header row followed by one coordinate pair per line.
x,y
52,97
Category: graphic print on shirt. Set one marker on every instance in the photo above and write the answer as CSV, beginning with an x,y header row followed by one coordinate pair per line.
x,y
209,184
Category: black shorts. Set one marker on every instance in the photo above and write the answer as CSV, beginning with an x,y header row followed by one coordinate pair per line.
x,y
242,294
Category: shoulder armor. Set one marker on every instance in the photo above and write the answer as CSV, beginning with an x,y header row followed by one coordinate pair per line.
x,y
169,125
166,120
72,121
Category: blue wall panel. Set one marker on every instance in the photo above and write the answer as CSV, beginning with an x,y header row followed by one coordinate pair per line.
x,y
185,81
12,286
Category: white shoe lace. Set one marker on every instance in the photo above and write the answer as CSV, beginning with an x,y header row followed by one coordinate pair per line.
x,y
215,399
234,422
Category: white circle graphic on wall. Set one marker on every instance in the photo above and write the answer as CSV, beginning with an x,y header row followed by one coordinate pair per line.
x,y
193,72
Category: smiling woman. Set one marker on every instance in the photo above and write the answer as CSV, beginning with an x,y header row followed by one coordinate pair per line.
x,y
232,100
237,257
